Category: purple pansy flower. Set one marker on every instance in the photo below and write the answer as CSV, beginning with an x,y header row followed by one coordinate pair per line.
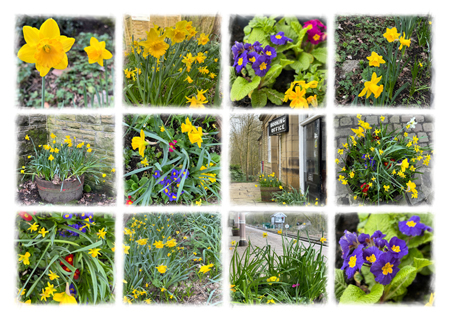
x,y
397,247
261,65
67,216
172,197
255,46
353,262
371,254
279,38
385,268
364,239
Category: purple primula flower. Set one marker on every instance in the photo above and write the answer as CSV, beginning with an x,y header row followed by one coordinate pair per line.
x,y
270,52
397,247
348,242
174,173
156,174
377,239
261,65
67,216
240,62
316,32
411,227
385,268
185,173
72,289
166,191
426,228
279,38
172,197
371,254
364,239
237,49
252,56
255,46
353,262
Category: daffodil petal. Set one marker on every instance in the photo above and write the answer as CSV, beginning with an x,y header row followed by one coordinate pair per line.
x,y
49,30
26,53
42,69
107,55
66,42
94,42
31,35
63,64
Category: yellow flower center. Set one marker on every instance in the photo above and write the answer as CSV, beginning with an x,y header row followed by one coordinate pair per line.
x,y
387,269
49,52
352,262
263,66
371,259
396,249
316,37
278,36
269,53
46,48
252,59
411,223
241,60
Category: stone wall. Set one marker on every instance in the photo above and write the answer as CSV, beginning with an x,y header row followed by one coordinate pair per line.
x,y
96,130
35,126
424,130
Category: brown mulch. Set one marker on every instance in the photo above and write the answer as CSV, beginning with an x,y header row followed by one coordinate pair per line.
x,y
28,194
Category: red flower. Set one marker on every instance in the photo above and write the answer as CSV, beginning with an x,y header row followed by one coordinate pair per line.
x,y
390,164
364,188
69,259
172,146
25,216
77,274
129,202
129,197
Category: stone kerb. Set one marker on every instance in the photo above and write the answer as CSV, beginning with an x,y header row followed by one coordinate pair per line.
x,y
424,129
96,130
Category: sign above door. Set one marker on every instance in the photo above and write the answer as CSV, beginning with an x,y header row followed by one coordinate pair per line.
x,y
279,125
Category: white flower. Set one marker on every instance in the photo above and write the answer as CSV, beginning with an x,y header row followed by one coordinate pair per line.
x,y
412,123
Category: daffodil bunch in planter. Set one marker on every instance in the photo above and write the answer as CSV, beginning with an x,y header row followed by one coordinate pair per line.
x,y
385,64
269,185
171,258
60,168
378,165
65,258
271,47
172,159
384,258
173,66
48,49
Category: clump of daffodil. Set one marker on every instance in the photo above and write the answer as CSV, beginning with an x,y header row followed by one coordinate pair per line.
x,y
198,100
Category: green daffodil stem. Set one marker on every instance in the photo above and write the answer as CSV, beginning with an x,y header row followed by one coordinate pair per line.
x,y
43,92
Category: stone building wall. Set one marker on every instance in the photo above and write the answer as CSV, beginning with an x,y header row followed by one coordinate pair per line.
x,y
289,144
96,130
424,130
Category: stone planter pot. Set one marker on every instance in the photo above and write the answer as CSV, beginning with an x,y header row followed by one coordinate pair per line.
x,y
53,193
235,232
266,193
